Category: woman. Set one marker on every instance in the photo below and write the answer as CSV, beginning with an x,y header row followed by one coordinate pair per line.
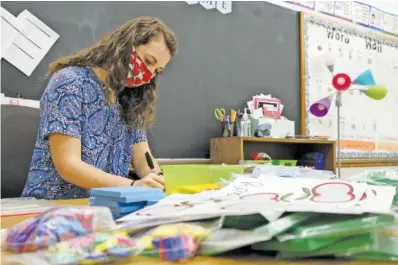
x,y
94,113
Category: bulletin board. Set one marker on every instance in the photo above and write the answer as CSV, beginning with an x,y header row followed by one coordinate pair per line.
x,y
369,128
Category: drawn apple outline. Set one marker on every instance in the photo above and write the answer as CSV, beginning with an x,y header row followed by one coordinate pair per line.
x,y
317,194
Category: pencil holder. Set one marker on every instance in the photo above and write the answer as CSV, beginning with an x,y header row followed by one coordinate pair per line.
x,y
237,129
226,129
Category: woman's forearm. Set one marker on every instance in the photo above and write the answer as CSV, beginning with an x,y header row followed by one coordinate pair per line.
x,y
86,176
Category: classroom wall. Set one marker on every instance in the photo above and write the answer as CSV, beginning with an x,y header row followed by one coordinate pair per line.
x,y
223,61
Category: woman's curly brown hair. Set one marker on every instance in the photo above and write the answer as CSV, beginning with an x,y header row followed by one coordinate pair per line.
x,y
112,52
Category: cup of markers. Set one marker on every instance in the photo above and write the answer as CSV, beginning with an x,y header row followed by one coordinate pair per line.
x,y
231,125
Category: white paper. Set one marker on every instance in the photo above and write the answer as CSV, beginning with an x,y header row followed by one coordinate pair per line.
x,y
309,4
31,44
325,7
208,4
375,197
271,197
224,7
391,23
376,18
10,28
20,102
360,13
343,9
257,113
192,2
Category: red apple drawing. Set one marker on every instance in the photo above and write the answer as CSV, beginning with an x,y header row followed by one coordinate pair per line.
x,y
333,192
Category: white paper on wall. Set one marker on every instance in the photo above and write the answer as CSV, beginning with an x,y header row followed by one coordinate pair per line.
x,y
31,44
10,28
224,7
208,4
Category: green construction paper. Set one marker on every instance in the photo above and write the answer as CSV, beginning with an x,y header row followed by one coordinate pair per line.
x,y
285,223
297,245
224,239
355,243
329,226
244,222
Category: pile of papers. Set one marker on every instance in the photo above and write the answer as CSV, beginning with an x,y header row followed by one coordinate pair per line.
x,y
295,217
265,106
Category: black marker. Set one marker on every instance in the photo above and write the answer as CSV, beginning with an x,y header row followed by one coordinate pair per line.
x,y
149,161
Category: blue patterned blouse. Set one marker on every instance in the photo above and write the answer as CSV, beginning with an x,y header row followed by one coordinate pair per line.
x,y
74,103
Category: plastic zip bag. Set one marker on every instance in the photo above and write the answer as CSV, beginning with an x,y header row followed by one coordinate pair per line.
x,y
174,242
328,225
329,229
95,248
354,243
375,245
223,240
384,246
244,222
56,225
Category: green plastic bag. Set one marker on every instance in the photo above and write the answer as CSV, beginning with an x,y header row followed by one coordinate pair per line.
x,y
333,225
223,240
326,229
377,243
296,245
383,248
354,243
244,222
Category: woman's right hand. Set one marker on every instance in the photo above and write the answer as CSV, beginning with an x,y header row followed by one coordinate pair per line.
x,y
151,180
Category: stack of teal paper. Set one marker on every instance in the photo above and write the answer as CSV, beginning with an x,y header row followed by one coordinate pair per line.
x,y
125,200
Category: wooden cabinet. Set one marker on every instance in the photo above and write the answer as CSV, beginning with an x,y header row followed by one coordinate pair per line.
x,y
231,150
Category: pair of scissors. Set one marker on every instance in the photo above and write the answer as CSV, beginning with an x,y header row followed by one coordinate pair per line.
x,y
220,113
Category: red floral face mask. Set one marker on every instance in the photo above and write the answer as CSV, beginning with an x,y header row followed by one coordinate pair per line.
x,y
139,74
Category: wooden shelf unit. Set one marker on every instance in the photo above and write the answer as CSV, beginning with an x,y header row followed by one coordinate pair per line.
x,y
230,150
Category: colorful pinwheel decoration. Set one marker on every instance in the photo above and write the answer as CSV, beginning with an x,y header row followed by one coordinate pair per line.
x,y
365,83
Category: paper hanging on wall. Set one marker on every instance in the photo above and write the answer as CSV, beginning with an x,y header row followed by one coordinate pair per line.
x,y
360,13
19,102
390,23
343,9
326,7
224,7
31,44
208,4
11,27
376,18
